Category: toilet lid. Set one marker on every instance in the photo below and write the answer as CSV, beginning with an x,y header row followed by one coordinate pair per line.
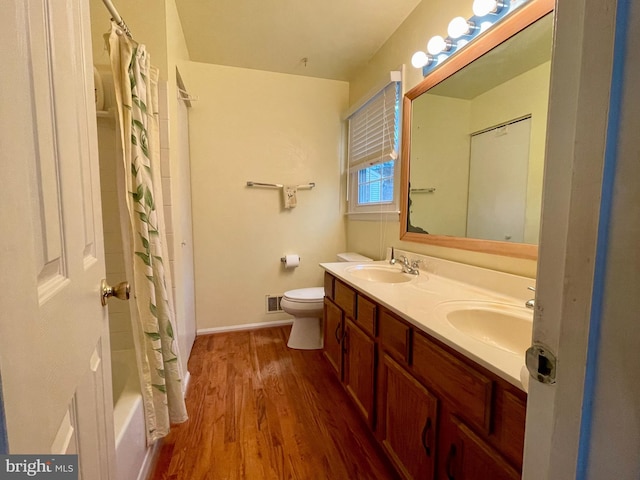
x,y
305,295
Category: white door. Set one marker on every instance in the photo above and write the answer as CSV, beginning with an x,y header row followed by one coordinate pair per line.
x,y
54,339
185,300
566,420
498,170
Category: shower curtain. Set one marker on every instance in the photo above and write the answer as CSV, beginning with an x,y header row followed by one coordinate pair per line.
x,y
152,315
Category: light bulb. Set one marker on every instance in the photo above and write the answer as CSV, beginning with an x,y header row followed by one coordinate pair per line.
x,y
420,59
485,7
459,27
484,26
436,45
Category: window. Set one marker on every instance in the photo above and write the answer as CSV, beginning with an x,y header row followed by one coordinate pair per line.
x,y
374,138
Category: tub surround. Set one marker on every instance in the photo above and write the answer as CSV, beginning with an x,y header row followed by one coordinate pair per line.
x,y
133,458
441,281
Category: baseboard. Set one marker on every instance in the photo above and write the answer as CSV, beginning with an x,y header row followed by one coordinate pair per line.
x,y
246,326
149,461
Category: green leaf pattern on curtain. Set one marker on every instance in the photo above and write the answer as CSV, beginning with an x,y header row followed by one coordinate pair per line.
x,y
156,345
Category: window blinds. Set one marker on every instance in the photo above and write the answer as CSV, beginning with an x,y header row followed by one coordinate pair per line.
x,y
373,130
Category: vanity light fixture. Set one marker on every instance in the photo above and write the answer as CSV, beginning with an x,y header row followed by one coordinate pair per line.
x,y
459,27
438,45
461,32
485,7
421,59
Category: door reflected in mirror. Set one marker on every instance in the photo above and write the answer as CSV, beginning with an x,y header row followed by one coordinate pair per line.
x,y
477,143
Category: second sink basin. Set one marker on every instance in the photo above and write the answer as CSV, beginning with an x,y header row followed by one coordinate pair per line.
x,y
380,273
507,327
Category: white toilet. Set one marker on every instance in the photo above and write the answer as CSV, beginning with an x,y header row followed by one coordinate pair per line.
x,y
306,306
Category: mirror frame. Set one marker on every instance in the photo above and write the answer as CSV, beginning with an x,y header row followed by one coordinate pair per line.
x,y
503,30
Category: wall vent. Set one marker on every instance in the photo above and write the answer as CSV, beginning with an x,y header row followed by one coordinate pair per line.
x,y
272,303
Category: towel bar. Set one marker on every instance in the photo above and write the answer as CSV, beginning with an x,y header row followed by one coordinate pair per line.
x,y
423,190
278,185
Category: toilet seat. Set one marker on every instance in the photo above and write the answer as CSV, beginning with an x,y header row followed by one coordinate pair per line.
x,y
305,295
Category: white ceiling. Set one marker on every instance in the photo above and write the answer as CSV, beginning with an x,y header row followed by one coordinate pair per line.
x,y
337,37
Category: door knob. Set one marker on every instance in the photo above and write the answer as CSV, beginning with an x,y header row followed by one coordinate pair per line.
x,y
120,291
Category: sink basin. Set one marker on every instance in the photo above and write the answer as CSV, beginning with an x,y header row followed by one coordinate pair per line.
x,y
507,327
380,274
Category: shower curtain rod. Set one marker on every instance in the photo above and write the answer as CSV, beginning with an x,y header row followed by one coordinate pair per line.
x,y
115,16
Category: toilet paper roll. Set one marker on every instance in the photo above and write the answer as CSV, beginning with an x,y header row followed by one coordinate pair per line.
x,y
291,261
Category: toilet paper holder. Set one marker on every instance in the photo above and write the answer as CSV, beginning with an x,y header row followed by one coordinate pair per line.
x,y
284,259
291,261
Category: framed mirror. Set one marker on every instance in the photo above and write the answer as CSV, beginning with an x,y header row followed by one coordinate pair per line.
x,y
474,139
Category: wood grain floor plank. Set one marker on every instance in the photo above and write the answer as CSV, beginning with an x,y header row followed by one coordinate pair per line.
x,y
259,410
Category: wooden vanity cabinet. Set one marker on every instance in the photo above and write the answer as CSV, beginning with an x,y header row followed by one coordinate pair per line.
x,y
479,425
466,389
436,413
349,330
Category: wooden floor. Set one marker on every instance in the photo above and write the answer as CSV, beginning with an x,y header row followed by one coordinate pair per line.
x,y
259,410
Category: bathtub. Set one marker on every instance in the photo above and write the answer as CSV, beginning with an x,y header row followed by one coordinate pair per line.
x,y
133,458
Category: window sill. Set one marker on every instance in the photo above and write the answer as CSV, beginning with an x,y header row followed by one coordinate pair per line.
x,y
374,216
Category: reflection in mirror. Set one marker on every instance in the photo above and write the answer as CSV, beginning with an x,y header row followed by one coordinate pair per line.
x,y
477,144
476,149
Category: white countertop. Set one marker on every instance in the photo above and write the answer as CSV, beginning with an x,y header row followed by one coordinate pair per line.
x,y
420,302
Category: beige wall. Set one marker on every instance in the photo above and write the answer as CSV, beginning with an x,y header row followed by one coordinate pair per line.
x,y
263,127
428,19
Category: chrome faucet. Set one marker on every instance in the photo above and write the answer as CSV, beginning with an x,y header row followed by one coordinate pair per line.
x,y
531,303
410,267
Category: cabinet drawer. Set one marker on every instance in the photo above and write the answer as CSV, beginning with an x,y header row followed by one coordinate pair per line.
x,y
366,315
345,298
395,336
508,424
328,285
468,390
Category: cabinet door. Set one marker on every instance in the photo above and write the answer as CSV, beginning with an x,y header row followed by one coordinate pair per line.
x,y
359,361
409,422
333,333
468,457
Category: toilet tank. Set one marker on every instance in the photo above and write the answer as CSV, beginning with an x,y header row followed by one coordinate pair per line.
x,y
353,257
